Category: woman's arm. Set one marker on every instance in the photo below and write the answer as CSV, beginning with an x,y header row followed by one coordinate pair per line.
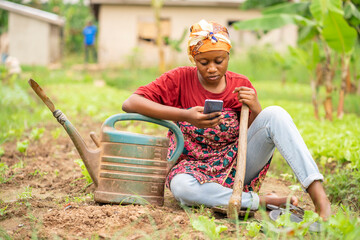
x,y
139,104
248,96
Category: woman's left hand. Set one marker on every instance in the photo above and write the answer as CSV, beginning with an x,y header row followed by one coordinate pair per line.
x,y
248,96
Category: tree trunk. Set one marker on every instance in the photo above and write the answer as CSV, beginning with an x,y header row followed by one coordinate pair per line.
x,y
157,5
314,98
328,84
345,75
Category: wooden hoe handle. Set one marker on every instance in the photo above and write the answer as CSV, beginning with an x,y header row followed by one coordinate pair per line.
x,y
234,206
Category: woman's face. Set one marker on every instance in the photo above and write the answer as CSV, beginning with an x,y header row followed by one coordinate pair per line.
x,y
212,66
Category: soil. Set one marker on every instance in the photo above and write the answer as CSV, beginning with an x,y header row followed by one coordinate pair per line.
x,y
47,197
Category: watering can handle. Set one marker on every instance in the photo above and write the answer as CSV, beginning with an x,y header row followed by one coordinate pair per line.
x,y
110,122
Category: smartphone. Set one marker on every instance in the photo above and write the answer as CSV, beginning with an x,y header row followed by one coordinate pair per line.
x,y
213,106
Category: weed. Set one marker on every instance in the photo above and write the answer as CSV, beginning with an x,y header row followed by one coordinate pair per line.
x,y
56,172
3,172
37,133
253,229
342,225
84,171
207,226
3,210
26,194
31,217
22,146
38,172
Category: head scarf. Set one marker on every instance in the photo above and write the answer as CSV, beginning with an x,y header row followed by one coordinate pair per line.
x,y
207,36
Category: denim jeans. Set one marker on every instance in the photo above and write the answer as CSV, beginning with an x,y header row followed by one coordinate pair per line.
x,y
273,127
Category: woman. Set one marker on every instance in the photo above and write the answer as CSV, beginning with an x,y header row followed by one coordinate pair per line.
x,y
205,172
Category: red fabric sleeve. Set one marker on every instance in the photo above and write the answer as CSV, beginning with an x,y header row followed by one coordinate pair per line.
x,y
164,90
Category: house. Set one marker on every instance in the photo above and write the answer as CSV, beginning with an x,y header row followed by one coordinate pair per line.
x,y
127,27
34,36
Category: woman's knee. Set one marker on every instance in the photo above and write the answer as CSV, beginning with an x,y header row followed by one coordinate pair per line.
x,y
275,113
184,186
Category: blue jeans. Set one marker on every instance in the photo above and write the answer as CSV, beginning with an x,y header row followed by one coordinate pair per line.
x,y
273,127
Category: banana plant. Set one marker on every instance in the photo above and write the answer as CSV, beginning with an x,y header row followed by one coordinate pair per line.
x,y
326,22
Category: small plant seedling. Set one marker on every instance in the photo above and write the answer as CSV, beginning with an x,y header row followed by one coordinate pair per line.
x,y
22,146
27,194
208,226
38,172
253,229
3,171
84,171
3,210
31,217
37,133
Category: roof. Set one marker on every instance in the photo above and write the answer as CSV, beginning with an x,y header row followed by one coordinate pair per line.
x,y
32,12
208,3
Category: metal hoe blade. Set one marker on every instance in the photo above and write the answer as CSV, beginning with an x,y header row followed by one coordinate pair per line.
x,y
38,90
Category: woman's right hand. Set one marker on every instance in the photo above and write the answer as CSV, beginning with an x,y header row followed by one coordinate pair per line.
x,y
196,117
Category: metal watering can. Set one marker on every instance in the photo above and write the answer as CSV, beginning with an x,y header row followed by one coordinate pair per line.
x,y
125,167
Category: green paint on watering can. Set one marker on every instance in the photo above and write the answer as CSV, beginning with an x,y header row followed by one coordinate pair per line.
x,y
134,161
110,135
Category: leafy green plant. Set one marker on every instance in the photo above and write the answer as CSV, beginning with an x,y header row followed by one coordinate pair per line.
x,y
208,226
84,171
253,229
22,146
3,210
300,228
26,194
37,133
343,225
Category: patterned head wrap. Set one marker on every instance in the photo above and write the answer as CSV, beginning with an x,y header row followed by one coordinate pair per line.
x,y
207,36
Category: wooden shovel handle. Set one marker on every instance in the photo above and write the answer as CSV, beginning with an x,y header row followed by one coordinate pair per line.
x,y
234,206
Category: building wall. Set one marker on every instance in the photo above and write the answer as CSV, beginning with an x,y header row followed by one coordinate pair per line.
x,y
118,31
29,41
55,44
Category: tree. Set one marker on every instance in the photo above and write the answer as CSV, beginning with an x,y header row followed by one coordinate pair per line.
x,y
157,5
326,24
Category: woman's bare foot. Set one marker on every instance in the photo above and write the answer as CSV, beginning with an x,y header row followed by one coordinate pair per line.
x,y
274,199
320,200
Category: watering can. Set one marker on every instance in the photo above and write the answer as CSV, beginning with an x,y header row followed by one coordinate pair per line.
x,y
126,168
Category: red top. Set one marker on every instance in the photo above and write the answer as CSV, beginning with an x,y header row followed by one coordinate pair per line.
x,y
181,88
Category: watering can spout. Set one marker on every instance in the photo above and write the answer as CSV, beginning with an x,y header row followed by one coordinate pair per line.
x,y
90,157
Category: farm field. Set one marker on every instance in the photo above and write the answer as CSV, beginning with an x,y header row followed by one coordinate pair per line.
x,y
45,194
